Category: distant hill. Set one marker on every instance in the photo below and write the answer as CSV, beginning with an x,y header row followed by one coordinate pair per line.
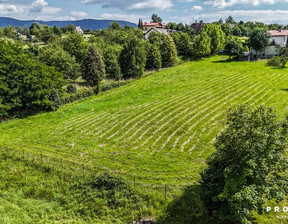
x,y
92,24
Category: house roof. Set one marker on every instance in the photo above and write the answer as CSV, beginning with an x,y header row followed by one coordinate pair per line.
x,y
278,32
163,31
152,24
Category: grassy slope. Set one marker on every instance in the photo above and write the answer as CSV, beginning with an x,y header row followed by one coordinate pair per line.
x,y
160,128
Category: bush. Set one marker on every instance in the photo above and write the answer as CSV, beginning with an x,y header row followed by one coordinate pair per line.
x,y
71,88
274,61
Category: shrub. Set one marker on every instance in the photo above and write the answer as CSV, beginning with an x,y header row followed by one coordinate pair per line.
x,y
71,88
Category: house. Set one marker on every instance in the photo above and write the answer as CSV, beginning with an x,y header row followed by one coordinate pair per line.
x,y
148,26
79,30
197,27
278,38
159,30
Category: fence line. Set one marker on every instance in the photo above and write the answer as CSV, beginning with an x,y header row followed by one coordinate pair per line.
x,y
66,170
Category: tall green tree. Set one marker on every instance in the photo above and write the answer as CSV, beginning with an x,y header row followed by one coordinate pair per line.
x,y
154,60
259,39
248,166
234,47
217,37
75,45
183,43
156,19
168,52
93,68
202,44
132,58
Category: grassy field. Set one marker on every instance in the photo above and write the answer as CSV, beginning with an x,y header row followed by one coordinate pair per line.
x,y
158,129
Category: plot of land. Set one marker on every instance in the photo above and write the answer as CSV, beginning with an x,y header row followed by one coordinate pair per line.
x,y
160,128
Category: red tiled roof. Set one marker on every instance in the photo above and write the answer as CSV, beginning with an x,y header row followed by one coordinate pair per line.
x,y
152,24
278,32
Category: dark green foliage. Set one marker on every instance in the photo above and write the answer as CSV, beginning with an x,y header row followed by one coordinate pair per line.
x,y
55,99
114,26
55,56
71,88
168,52
230,20
140,24
187,208
69,28
248,165
156,19
155,38
259,39
75,45
154,60
93,68
25,83
35,28
183,43
132,59
234,47
110,57
280,60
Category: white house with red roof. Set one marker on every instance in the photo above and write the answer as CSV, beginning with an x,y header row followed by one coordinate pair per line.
x,y
278,38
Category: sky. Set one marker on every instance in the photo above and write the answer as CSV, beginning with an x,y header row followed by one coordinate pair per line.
x,y
185,11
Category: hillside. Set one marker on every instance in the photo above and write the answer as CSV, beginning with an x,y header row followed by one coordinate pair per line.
x,y
92,24
158,129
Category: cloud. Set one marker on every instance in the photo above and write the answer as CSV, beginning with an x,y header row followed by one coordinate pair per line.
x,y
196,8
130,18
266,16
79,14
38,6
230,3
132,5
10,10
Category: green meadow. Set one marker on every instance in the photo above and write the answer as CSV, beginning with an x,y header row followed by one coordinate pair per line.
x,y
158,129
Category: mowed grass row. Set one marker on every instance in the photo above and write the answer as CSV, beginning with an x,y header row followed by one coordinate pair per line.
x,y
159,129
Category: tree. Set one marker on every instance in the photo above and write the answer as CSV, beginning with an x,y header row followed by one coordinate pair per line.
x,y
93,68
75,45
35,28
153,58
54,55
155,38
259,39
234,47
202,44
183,43
140,24
217,37
25,83
168,52
280,60
156,19
230,20
114,26
132,58
248,165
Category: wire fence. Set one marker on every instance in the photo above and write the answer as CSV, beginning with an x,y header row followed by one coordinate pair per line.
x,y
68,170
